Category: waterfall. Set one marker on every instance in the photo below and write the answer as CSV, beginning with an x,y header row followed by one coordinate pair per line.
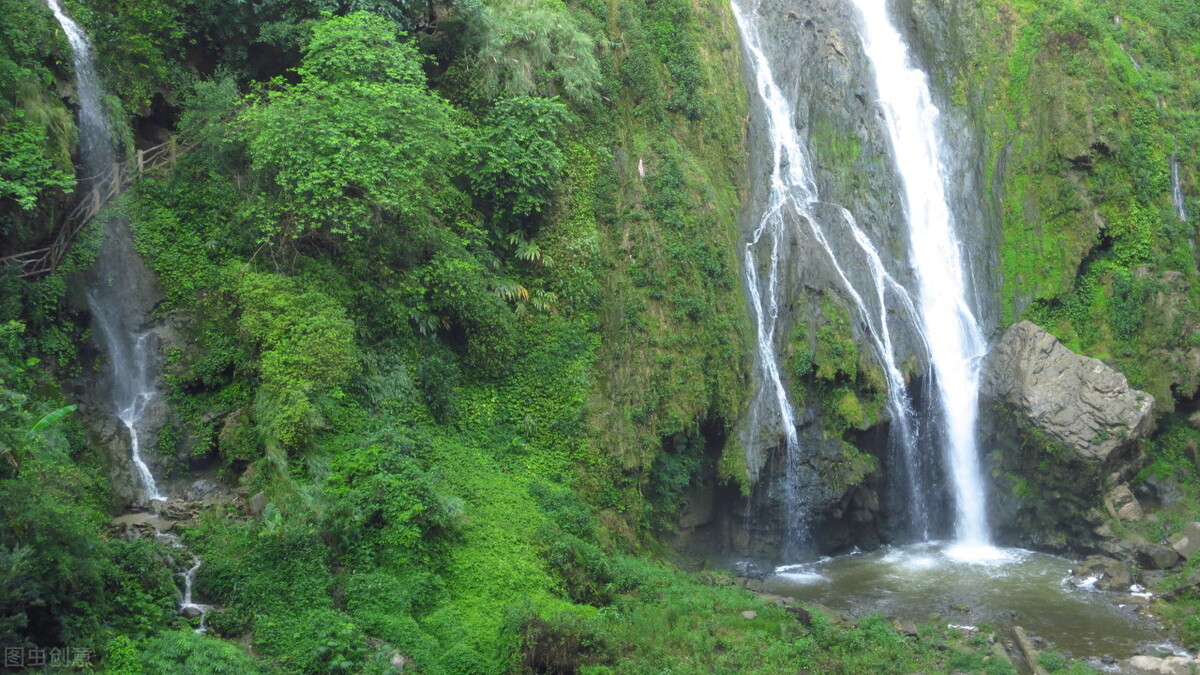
x,y
956,343
1177,191
770,407
792,198
95,133
132,385
187,606
118,286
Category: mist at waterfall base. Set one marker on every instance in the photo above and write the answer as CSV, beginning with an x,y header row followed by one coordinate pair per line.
x,y
1028,589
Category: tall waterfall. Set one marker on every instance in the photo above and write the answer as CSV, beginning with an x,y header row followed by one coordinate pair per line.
x,y
793,200
118,285
956,343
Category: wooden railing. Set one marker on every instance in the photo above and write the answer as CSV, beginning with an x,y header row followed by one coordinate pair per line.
x,y
104,188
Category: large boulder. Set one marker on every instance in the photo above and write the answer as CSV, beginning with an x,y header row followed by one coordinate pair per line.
x,y
1076,400
1187,541
1062,432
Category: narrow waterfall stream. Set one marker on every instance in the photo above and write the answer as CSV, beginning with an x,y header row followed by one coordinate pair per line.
x,y
120,295
1177,191
117,284
188,607
956,343
132,383
95,133
793,200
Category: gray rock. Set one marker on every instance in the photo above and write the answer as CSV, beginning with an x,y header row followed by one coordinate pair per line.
x,y
1157,557
1166,489
399,661
1114,575
140,524
1126,547
1159,665
258,504
749,614
1187,541
1187,587
178,509
1121,503
204,489
191,612
1076,400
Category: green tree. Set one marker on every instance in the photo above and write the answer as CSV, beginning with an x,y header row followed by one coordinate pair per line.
x,y
534,47
360,140
26,172
306,348
516,157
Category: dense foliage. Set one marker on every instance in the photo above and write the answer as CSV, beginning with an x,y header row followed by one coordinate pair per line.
x,y
456,294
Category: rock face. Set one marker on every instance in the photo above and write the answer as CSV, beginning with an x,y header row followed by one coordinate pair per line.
x,y
1122,504
1076,400
1187,541
1062,432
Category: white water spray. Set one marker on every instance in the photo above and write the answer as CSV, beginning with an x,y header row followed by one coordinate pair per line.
x,y
771,407
132,385
956,343
793,197
187,605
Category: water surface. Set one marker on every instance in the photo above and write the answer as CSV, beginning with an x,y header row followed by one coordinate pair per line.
x,y
1009,587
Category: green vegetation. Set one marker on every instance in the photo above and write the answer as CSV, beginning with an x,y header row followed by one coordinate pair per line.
x,y
456,291
455,288
1084,106
827,369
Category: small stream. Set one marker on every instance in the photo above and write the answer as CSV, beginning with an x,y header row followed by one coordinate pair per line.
x,y
1019,587
188,607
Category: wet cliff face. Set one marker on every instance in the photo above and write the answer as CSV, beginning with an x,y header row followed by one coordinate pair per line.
x,y
850,473
940,41
852,480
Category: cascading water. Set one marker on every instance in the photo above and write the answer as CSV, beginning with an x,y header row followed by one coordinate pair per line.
x,y
187,604
117,285
132,385
793,197
956,343
120,294
95,133
1177,192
